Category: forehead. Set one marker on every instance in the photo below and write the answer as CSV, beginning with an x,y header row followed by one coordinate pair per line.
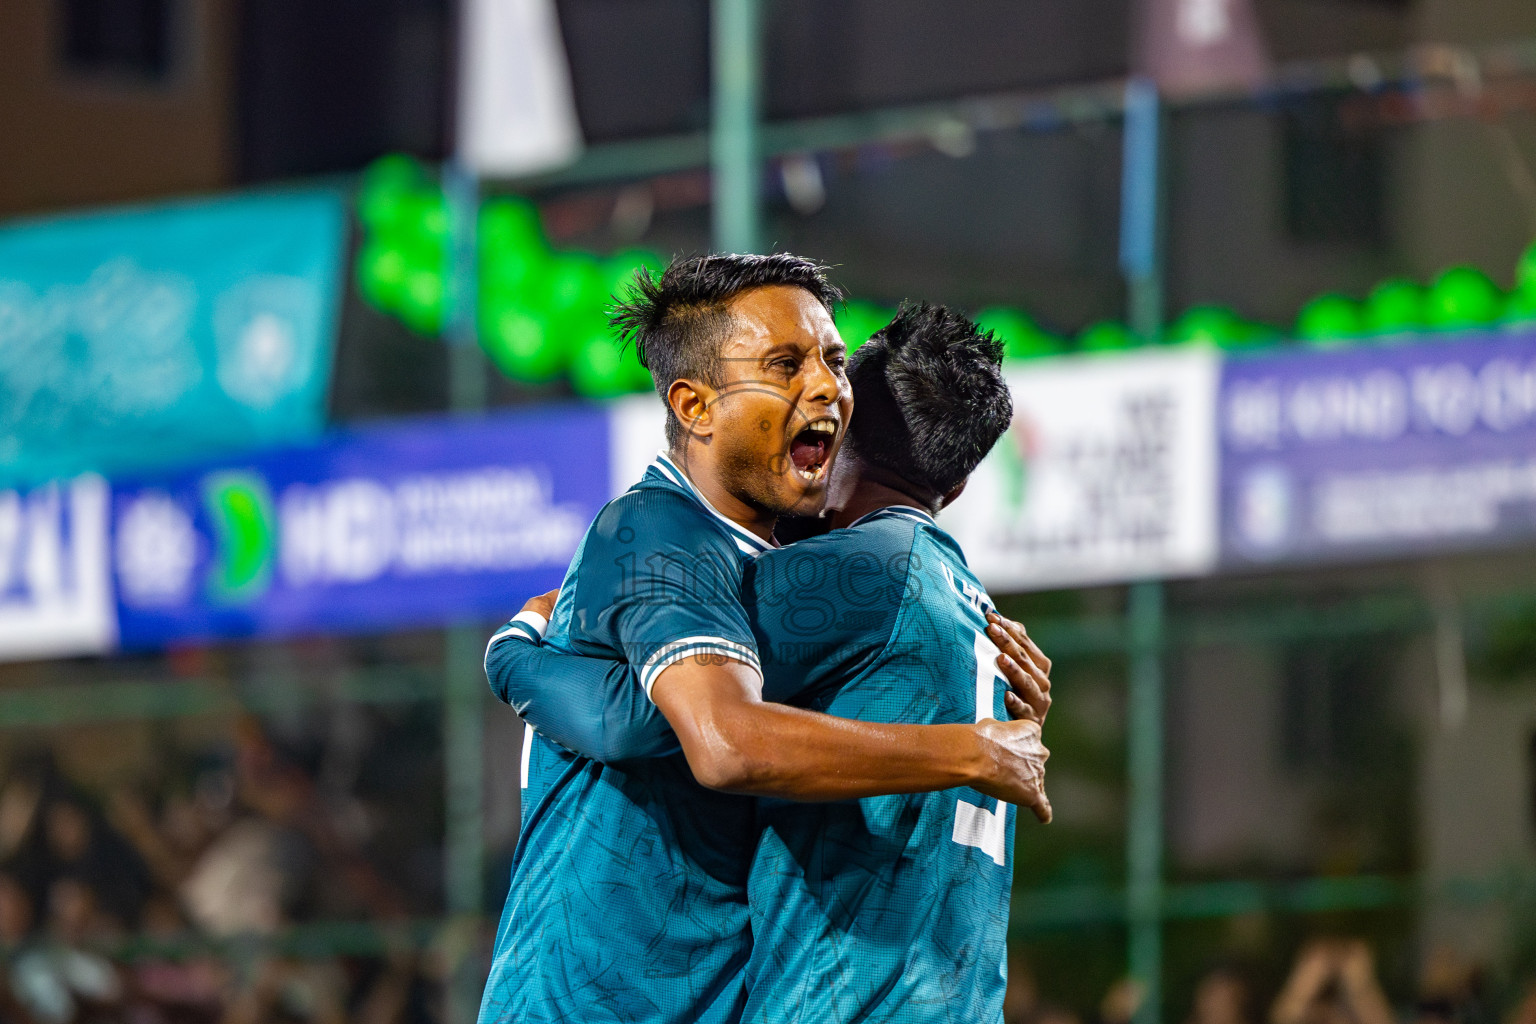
x,y
777,315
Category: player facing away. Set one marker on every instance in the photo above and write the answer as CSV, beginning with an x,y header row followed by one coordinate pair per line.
x,y
629,889
889,907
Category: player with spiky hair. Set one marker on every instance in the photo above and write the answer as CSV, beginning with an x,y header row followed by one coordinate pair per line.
x,y
888,907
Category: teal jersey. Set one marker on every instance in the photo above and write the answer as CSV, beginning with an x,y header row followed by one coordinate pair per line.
x,y
628,894
891,908
888,908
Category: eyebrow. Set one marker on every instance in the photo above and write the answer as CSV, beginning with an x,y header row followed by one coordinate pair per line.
x,y
783,347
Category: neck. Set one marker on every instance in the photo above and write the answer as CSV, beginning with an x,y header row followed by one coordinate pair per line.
x,y
874,489
697,463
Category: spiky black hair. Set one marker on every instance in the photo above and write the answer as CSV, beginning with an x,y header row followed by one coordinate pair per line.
x,y
929,397
679,321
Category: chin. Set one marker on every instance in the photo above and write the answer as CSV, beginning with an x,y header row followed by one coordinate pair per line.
x,y
811,500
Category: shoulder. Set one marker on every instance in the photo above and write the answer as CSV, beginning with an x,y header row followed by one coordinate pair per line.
x,y
648,517
883,536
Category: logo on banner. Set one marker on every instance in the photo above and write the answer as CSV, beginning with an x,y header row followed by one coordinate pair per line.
x,y
55,599
349,531
1107,473
245,527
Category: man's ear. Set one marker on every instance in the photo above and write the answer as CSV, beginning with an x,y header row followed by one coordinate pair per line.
x,y
692,403
954,492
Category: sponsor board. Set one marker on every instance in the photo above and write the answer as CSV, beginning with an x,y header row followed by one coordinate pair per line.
x,y
1107,474
55,595
1377,452
153,335
419,524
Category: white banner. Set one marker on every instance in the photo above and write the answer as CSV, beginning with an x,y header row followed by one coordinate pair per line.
x,y
1107,475
516,113
55,587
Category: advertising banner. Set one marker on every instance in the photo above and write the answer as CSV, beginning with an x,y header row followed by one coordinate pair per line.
x,y
153,335
1107,474
55,594
417,524
1378,451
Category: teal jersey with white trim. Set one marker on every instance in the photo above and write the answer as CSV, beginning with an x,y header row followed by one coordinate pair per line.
x,y
628,895
888,908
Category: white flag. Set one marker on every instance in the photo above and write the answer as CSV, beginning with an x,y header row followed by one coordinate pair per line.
x,y
516,113
1197,45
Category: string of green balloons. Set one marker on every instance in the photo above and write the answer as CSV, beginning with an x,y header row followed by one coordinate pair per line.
x,y
541,313
1461,298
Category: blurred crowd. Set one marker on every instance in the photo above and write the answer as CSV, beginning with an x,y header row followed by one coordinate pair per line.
x,y
1331,981
188,904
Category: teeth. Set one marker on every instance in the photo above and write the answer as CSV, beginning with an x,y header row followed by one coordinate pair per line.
x,y
823,427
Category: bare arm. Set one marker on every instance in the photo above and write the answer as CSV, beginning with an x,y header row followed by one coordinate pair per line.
x,y
737,742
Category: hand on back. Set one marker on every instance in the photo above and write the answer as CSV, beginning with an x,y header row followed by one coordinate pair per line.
x,y
1019,756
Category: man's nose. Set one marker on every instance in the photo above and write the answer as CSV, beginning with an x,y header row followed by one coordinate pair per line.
x,y
822,385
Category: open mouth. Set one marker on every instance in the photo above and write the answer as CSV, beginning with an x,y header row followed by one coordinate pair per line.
x,y
811,449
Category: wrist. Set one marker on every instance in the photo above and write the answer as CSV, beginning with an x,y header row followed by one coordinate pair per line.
x,y
531,624
978,756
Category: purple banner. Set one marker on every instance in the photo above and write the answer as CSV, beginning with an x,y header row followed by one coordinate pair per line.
x,y
422,523
1379,451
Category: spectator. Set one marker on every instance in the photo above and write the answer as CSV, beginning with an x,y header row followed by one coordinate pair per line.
x,y
1451,990
58,978
189,988
1221,997
1332,982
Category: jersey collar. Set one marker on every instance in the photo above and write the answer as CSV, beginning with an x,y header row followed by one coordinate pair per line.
x,y
898,511
749,542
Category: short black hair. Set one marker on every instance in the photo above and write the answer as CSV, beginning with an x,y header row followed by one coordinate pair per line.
x,y
678,321
929,397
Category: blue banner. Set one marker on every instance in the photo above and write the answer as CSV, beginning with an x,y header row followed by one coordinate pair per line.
x,y
148,336
418,524
1378,451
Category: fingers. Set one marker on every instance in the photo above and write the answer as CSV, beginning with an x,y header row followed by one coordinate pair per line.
x,y
1024,688
1016,633
1018,709
1041,806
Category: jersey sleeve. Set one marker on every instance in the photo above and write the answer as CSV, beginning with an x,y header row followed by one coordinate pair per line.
x,y
591,706
666,585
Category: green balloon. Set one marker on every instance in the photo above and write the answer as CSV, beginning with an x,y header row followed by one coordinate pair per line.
x,y
513,275
856,321
1330,319
510,225
1022,338
575,285
1520,309
1525,270
1106,336
1463,297
1395,306
427,219
521,347
386,190
1251,334
602,368
623,268
423,300
381,274
639,377
1206,325
394,170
